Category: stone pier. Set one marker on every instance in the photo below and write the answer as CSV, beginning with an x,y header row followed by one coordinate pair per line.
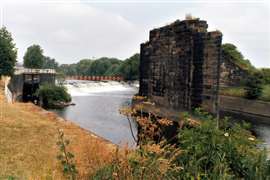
x,y
180,64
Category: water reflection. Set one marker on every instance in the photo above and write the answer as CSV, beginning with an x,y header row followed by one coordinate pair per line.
x,y
99,113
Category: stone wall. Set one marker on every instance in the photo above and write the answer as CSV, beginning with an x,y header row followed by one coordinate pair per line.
x,y
179,66
230,73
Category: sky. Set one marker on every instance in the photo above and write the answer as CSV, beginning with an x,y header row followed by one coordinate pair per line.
x,y
71,30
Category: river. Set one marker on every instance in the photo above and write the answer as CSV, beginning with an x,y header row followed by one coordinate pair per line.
x,y
97,110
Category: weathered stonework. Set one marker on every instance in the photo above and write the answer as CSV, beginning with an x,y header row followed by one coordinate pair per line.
x,y
230,73
179,66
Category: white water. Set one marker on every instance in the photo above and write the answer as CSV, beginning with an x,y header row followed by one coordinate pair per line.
x,y
90,88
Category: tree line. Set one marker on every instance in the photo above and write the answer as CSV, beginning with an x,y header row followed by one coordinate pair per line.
x,y
128,68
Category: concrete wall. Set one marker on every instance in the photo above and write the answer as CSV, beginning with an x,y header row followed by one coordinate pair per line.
x,y
250,110
16,83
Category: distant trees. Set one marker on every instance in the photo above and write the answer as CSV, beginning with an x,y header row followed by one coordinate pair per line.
x,y
8,53
129,69
33,57
104,66
49,63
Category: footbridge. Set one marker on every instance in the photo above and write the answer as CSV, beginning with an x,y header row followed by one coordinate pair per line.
x,y
96,78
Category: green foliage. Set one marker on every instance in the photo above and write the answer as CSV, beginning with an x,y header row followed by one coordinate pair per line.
x,y
129,69
202,151
266,93
33,58
68,69
51,95
8,53
66,157
104,66
265,72
254,86
225,153
49,63
232,51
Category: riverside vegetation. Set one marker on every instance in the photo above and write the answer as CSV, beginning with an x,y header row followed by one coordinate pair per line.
x,y
53,96
200,150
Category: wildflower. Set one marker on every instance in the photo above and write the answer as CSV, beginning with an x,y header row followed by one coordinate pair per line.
x,y
226,134
251,139
165,122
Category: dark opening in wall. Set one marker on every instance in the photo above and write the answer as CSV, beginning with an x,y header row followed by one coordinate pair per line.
x,y
29,90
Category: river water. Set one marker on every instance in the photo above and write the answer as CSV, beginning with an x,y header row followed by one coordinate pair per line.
x,y
97,110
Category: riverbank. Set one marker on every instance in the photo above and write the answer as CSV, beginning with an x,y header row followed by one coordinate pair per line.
x,y
28,136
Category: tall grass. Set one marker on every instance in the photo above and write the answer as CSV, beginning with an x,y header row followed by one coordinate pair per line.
x,y
202,151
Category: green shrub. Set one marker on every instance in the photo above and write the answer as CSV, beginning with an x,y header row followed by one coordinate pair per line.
x,y
254,86
51,95
228,153
201,152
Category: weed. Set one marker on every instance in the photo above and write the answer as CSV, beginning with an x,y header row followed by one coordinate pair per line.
x,y
66,157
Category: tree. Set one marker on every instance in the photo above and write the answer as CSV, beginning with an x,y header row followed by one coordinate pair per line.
x,y
8,53
33,57
129,69
49,63
266,75
254,86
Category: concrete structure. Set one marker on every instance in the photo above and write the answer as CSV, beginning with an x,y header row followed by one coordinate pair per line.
x,y
180,64
25,82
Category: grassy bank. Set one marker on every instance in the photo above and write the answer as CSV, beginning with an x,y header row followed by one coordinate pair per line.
x,y
28,136
240,92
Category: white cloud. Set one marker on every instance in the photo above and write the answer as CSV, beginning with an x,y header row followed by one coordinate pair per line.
x,y
70,32
73,30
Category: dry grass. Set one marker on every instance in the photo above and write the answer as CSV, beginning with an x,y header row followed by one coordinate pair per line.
x,y
28,150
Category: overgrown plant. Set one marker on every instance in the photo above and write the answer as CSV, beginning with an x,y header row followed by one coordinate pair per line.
x,y
65,157
151,161
253,86
52,96
202,151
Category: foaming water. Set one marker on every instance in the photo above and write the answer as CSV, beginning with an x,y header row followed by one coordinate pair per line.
x,y
85,88
97,109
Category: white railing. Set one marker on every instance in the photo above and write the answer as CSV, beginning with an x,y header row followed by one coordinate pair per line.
x,y
33,71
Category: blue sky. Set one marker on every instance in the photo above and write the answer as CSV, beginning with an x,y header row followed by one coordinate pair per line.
x,y
72,30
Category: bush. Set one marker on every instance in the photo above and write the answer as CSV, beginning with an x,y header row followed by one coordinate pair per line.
x,y
202,151
227,153
51,95
253,86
